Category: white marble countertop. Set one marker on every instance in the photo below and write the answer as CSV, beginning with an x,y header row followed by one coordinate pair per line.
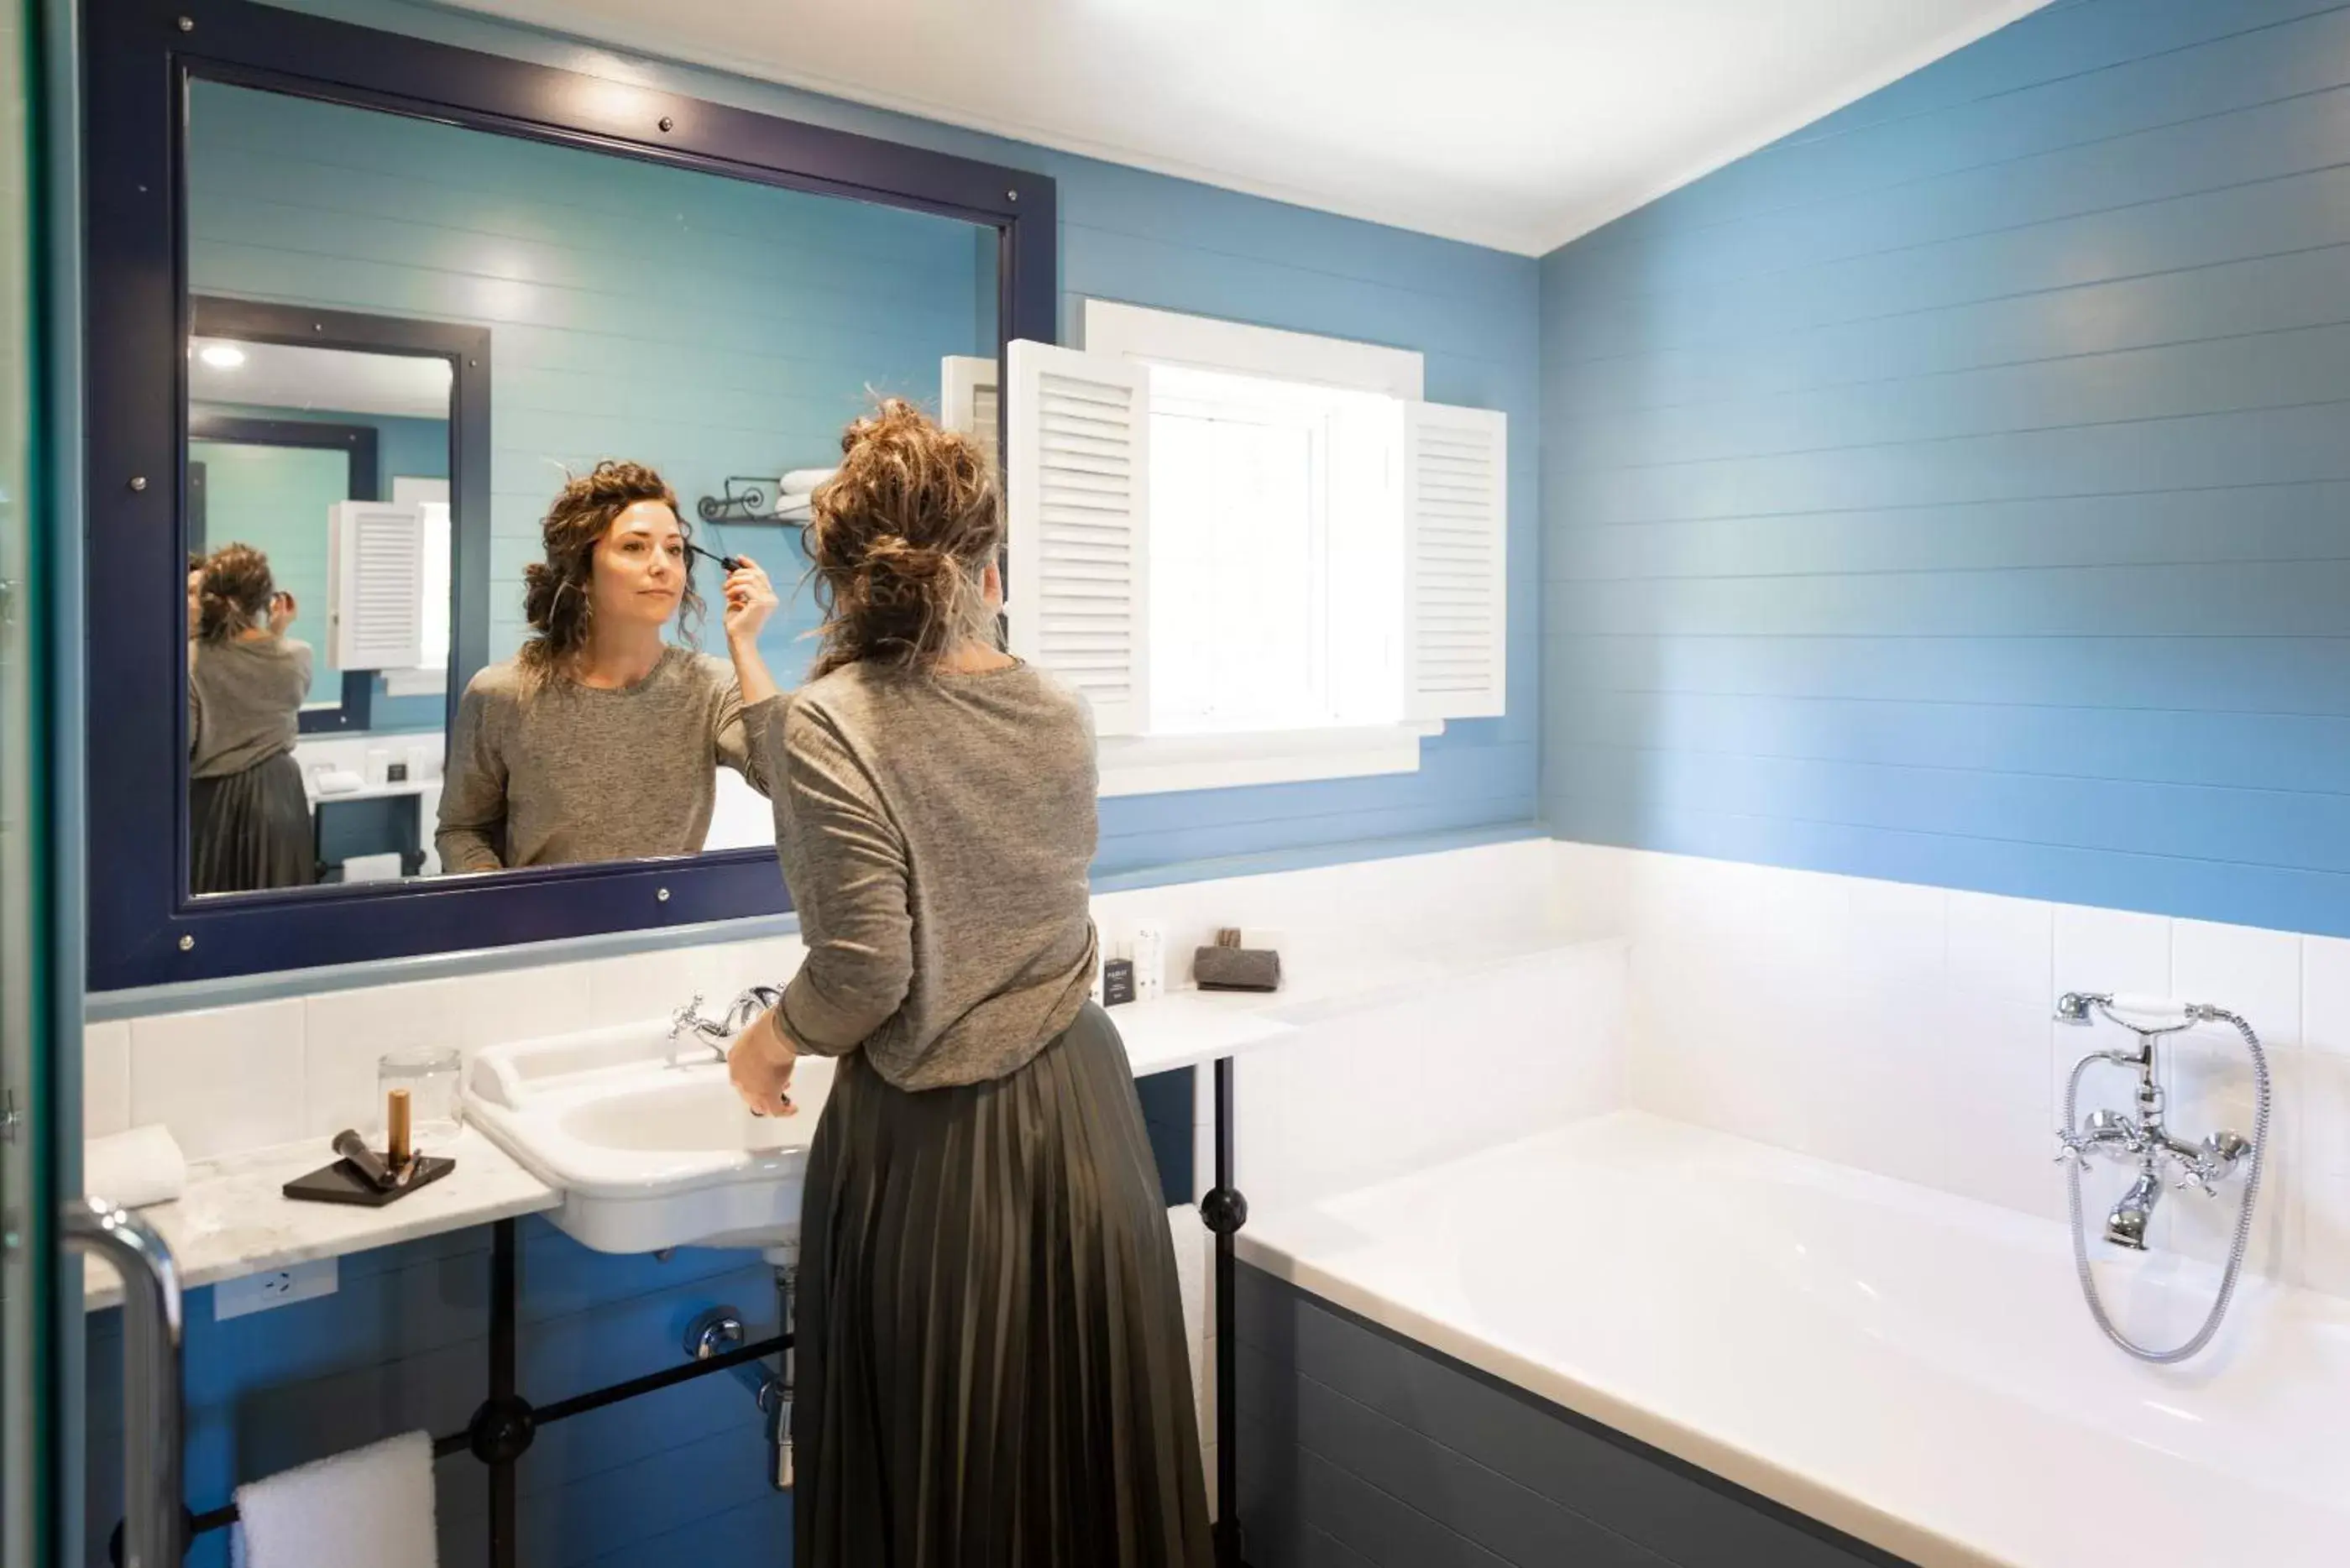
x,y
1185,1028
234,1219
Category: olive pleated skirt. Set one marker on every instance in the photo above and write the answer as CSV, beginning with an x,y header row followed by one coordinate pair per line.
x,y
251,829
992,1364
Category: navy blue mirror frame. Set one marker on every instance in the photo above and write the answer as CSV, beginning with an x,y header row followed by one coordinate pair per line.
x,y
145,928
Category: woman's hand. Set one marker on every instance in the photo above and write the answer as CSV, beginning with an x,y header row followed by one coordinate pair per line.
x,y
281,612
760,1067
750,600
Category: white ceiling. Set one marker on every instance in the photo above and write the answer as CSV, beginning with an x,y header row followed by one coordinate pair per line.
x,y
1513,123
294,376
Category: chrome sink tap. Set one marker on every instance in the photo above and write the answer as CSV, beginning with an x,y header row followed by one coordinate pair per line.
x,y
715,1032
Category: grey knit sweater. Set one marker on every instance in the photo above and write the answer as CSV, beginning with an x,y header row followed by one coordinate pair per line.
x,y
546,772
936,832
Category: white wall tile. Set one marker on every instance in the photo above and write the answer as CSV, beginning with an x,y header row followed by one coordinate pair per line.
x,y
1994,1135
105,1079
347,1032
223,1079
522,1004
2246,969
1588,891
1895,945
2324,1088
656,984
2208,1084
2325,994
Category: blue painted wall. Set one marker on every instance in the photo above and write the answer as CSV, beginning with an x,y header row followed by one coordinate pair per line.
x,y
1953,491
677,1479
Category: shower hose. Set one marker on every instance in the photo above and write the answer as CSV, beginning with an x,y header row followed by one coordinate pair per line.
x,y
2243,1215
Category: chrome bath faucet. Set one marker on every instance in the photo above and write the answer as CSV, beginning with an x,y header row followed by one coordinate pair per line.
x,y
2145,1139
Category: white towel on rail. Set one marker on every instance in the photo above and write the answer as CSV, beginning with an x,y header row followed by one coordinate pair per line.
x,y
802,481
371,1508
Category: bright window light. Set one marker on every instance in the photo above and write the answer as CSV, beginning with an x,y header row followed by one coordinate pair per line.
x,y
1275,582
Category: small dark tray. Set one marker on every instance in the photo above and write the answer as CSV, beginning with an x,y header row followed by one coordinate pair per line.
x,y
342,1182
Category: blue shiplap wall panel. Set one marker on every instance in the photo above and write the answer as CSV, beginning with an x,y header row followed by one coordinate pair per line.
x,y
1953,491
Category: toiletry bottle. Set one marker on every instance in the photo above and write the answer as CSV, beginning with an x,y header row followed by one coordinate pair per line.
x,y
1149,948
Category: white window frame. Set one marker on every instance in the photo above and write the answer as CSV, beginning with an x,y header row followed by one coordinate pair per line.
x,y
1152,764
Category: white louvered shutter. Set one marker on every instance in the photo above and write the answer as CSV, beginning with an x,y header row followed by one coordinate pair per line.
x,y
1456,546
1077,491
967,402
375,579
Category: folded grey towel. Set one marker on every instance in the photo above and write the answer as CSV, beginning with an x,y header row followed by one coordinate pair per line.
x,y
1236,968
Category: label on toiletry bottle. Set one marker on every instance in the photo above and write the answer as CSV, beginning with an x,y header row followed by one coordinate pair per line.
x,y
1117,982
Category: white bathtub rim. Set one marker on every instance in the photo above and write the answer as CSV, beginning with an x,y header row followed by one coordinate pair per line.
x,y
1780,1483
1283,1244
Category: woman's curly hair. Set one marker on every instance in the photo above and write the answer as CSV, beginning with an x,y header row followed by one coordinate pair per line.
x,y
899,539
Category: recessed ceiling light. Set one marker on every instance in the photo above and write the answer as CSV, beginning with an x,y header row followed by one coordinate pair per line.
x,y
222,355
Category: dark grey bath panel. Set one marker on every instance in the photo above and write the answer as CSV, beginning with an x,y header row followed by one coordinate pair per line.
x,y
1358,1446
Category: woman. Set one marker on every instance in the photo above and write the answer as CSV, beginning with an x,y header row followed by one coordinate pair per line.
x,y
601,740
250,821
992,1358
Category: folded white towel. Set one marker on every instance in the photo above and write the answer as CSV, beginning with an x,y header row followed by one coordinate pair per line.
x,y
803,480
371,1507
793,509
135,1168
339,781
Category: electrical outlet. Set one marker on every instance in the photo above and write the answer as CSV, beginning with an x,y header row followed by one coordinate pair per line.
x,y
273,1288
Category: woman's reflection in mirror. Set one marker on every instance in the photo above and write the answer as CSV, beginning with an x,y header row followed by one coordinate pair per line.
x,y
601,739
250,824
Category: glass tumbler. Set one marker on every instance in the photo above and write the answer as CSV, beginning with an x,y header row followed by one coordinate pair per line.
x,y
430,1075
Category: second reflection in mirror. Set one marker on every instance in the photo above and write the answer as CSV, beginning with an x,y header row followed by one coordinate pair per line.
x,y
599,740
249,820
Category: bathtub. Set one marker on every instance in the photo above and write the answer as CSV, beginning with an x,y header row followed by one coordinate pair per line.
x,y
1910,1368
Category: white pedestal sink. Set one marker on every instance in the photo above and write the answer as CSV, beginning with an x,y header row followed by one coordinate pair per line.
x,y
647,1153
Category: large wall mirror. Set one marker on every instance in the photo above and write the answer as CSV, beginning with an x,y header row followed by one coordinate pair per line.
x,y
426,676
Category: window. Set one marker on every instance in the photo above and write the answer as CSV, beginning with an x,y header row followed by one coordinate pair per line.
x,y
1275,539
1259,554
